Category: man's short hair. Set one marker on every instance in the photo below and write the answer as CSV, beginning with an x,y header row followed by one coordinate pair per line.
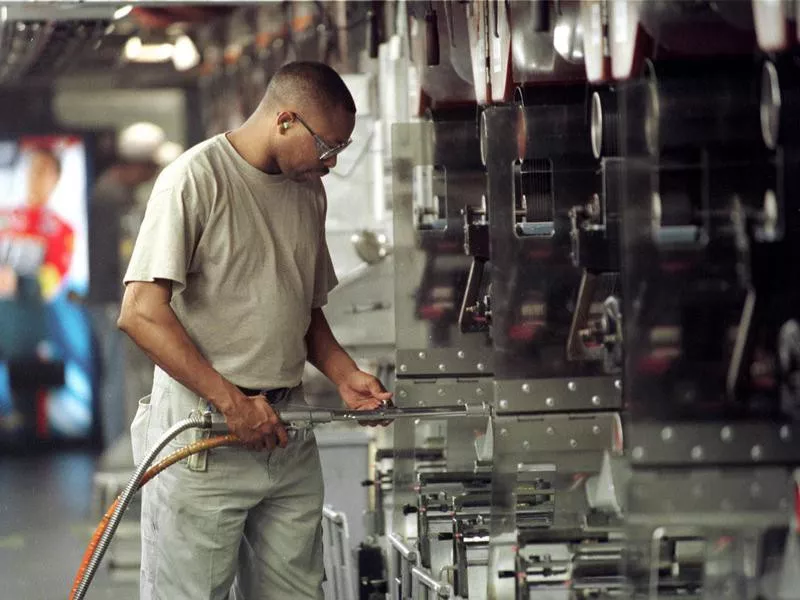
x,y
307,82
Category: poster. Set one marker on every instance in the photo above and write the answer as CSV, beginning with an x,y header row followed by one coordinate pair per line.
x,y
46,357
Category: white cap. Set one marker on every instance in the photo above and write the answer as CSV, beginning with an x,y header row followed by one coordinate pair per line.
x,y
141,142
167,152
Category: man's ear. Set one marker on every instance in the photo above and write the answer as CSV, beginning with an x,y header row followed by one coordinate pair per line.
x,y
285,121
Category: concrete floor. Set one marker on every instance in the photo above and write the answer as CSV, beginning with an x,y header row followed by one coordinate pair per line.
x,y
46,520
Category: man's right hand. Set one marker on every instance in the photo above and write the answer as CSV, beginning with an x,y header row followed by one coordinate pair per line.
x,y
253,420
147,317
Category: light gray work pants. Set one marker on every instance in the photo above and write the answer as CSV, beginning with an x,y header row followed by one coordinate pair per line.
x,y
238,524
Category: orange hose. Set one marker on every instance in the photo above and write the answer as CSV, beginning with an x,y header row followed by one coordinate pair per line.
x,y
178,455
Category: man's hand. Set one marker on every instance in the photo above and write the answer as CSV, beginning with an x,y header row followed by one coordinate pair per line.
x,y
362,391
254,421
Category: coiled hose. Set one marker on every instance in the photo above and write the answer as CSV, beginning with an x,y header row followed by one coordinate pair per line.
x,y
101,538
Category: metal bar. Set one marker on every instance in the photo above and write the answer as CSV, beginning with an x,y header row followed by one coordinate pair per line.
x,y
303,417
406,413
335,524
331,514
406,551
404,559
423,578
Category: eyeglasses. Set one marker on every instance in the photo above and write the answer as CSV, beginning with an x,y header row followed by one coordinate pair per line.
x,y
324,150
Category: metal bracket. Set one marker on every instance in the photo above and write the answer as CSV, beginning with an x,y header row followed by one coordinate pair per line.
x,y
441,362
560,433
710,497
716,443
442,392
558,395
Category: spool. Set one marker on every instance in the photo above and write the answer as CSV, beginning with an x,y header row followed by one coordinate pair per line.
x,y
455,137
780,103
699,104
553,119
604,124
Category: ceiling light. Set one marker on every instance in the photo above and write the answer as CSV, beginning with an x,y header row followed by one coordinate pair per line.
x,y
123,12
185,55
133,47
136,51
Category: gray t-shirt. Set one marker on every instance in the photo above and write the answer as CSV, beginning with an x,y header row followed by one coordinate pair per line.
x,y
247,256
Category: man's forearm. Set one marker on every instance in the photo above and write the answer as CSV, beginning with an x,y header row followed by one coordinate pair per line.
x,y
159,333
324,352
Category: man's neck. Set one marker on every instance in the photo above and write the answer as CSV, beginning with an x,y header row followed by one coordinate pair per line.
x,y
244,141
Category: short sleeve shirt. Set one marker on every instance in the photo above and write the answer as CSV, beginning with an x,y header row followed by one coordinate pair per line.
x,y
247,257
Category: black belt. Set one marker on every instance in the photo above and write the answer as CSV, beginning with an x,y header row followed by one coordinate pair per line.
x,y
276,394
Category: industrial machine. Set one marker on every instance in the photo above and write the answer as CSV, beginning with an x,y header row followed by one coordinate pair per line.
x,y
594,235
631,252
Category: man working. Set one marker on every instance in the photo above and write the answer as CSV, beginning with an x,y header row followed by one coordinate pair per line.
x,y
224,292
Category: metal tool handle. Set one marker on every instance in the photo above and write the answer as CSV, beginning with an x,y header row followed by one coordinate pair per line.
x,y
312,416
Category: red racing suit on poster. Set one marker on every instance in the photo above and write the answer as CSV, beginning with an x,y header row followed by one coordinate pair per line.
x,y
34,241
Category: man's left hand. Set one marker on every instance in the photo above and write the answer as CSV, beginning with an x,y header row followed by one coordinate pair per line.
x,y
362,391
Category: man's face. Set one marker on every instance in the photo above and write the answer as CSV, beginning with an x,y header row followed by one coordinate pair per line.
x,y
42,178
299,156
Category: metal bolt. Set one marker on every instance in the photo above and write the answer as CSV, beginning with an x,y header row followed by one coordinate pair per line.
x,y
755,452
503,432
460,401
596,400
595,429
479,391
526,387
572,386
573,443
480,366
441,392
697,453
460,354
421,403
638,453
504,404
550,431
526,444
549,401
403,393
785,433
403,368
442,367
618,384
422,355
667,433
726,434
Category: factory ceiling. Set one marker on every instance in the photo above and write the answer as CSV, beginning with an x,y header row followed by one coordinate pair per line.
x,y
148,45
